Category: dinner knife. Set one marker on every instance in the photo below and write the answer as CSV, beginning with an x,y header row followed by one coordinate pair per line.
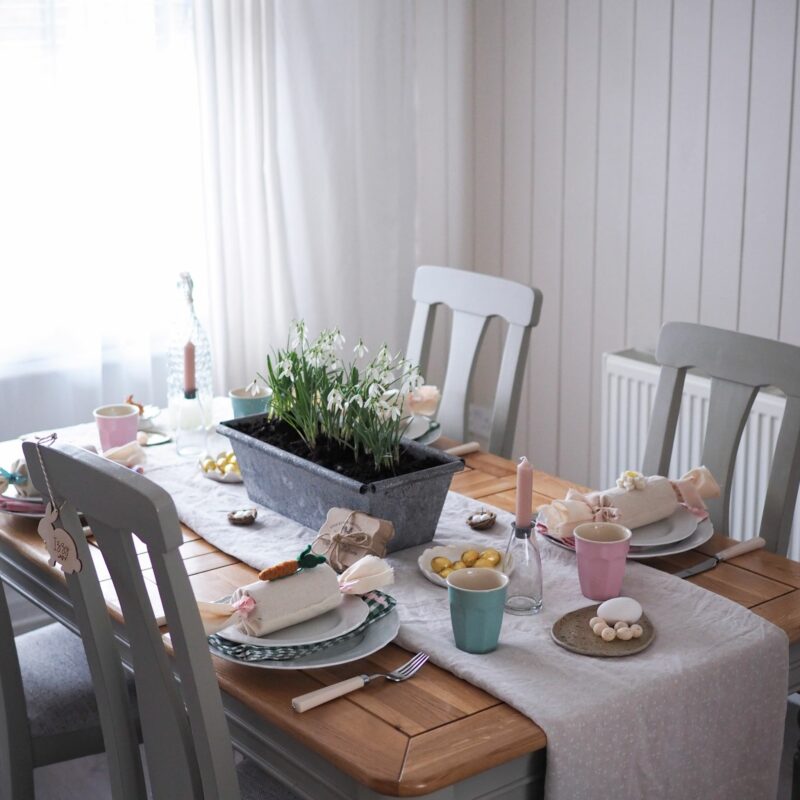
x,y
747,546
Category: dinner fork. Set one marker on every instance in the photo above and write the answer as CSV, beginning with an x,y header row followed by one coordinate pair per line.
x,y
313,699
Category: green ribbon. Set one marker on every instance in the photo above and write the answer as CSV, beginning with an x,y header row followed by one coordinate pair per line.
x,y
15,477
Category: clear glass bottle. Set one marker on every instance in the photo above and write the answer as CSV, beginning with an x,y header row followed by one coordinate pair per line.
x,y
523,565
189,381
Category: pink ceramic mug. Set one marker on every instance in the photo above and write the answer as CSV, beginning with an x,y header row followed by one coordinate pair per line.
x,y
602,548
117,424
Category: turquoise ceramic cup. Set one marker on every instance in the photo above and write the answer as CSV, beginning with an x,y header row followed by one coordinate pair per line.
x,y
477,597
244,403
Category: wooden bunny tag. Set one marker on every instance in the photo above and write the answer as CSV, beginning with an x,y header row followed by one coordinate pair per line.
x,y
60,545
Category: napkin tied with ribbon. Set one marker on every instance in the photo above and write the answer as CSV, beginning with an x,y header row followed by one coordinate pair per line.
x,y
267,606
635,501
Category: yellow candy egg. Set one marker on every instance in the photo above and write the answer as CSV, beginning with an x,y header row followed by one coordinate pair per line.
x,y
439,563
469,557
208,464
445,572
221,463
232,459
491,555
484,562
459,565
229,468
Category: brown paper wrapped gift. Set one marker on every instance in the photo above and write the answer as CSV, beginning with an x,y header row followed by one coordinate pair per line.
x,y
348,535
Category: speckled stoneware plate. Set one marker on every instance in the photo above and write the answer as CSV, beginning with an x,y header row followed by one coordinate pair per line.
x,y
573,633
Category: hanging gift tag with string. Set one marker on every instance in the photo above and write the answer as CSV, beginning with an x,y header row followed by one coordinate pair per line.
x,y
60,545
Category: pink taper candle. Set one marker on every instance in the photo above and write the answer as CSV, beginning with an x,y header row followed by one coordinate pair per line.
x,y
524,493
188,368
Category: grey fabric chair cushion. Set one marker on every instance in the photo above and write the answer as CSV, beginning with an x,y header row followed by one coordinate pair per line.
x,y
255,784
58,686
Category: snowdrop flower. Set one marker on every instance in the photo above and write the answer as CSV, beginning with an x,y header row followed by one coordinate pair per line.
x,y
338,339
360,349
299,337
375,390
285,367
335,400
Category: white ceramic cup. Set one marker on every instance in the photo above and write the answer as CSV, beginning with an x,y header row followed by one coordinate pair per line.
x,y
117,424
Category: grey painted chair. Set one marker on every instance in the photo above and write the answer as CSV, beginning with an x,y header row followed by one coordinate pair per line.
x,y
474,299
185,736
739,365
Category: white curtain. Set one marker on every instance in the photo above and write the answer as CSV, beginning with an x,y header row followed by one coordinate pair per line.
x,y
309,133
100,201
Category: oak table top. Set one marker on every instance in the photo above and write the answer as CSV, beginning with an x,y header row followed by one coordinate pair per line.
x,y
415,737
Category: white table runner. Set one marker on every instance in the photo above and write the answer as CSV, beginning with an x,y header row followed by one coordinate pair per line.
x,y
697,715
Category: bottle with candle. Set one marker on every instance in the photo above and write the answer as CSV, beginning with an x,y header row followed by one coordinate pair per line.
x,y
189,386
522,562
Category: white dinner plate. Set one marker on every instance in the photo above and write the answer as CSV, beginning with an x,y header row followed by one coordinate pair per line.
x,y
679,526
347,616
452,552
705,530
375,637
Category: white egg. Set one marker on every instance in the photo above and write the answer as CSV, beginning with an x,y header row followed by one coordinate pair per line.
x,y
608,635
620,609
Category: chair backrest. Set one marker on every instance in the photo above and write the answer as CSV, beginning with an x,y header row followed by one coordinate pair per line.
x,y
739,365
186,739
474,300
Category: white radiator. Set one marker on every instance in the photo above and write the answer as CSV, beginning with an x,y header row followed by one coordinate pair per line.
x,y
629,386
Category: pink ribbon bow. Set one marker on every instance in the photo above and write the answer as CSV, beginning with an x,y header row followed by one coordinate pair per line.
x,y
245,605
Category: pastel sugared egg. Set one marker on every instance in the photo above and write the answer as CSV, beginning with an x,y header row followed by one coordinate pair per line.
x,y
636,631
608,635
599,627
594,620
625,634
620,609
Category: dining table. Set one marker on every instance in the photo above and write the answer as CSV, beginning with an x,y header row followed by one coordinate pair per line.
x,y
436,735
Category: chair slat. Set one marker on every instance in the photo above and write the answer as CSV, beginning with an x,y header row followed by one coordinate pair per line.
x,y
418,350
728,410
779,505
468,331
208,727
663,421
165,730
509,389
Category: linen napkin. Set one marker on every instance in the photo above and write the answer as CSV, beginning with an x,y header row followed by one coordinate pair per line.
x,y
270,605
636,500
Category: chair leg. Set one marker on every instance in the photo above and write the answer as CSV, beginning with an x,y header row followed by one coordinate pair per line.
x,y
16,763
796,769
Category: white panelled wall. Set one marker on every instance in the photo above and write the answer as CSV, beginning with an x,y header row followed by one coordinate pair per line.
x,y
637,160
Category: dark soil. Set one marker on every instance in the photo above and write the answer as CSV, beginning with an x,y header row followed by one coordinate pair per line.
x,y
330,454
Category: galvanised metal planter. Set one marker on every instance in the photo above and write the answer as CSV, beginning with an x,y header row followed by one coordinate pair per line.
x,y
304,491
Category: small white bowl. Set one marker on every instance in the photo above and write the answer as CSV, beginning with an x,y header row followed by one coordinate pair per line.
x,y
452,552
